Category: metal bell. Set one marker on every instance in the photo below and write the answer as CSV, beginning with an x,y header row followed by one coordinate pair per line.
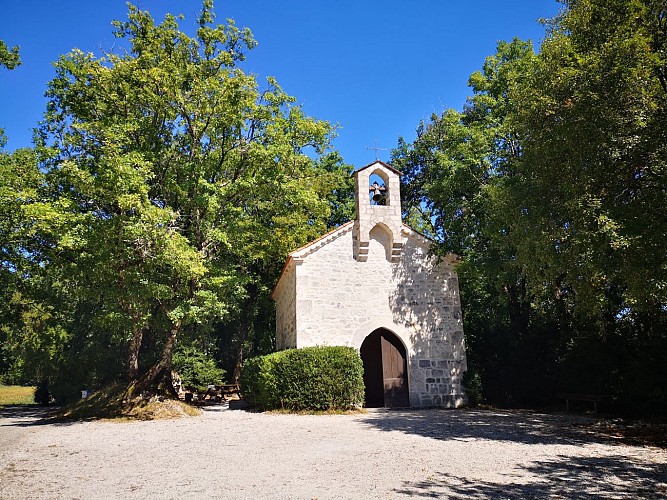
x,y
378,192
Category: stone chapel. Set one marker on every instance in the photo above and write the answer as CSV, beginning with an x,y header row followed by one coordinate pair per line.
x,y
371,284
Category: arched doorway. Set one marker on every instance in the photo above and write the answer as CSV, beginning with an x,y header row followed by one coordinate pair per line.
x,y
385,370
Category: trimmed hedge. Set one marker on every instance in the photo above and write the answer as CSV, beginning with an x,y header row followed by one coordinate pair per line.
x,y
311,378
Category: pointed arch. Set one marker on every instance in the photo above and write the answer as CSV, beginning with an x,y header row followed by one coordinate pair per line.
x,y
381,234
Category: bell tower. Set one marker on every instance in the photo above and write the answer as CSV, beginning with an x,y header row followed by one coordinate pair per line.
x,y
377,190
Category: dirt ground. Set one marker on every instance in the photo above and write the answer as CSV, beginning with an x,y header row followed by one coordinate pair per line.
x,y
382,454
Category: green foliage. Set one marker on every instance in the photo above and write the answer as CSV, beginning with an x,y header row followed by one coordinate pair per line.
x,y
589,204
9,57
196,369
472,385
592,118
42,394
257,381
165,188
341,198
312,378
550,185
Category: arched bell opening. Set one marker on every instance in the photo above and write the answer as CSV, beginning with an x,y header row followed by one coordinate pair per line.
x,y
378,188
385,370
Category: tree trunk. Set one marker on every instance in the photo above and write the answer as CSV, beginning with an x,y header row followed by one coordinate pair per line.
x,y
158,376
236,376
562,315
519,308
247,314
133,356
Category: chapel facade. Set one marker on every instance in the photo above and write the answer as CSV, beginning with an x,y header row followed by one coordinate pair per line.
x,y
371,284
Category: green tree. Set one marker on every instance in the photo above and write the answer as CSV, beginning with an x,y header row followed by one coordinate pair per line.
x,y
196,369
455,180
173,181
593,121
590,206
20,182
550,184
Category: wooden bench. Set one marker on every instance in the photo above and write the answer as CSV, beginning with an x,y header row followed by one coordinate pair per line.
x,y
592,398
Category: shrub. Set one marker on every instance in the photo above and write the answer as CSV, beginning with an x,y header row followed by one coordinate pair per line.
x,y
312,378
42,394
58,389
472,385
258,382
196,369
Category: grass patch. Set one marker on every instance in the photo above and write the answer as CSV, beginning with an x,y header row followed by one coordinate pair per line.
x,y
16,395
108,403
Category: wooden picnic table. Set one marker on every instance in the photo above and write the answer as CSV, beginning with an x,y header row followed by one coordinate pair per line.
x,y
214,391
228,388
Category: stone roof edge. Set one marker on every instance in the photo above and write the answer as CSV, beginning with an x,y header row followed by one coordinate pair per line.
x,y
300,253
385,165
309,248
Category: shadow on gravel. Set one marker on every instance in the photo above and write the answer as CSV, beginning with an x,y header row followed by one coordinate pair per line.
x,y
29,415
613,476
497,425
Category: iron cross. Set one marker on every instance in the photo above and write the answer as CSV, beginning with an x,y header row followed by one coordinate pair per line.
x,y
376,149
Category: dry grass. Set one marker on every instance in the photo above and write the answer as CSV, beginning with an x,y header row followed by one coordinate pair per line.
x,y
16,395
159,410
108,404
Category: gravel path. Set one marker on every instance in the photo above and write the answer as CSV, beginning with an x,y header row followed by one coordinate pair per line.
x,y
382,454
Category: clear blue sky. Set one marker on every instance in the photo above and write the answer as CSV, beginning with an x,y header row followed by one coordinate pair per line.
x,y
373,68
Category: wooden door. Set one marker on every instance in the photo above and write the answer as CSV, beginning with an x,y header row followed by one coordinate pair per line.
x,y
385,370
371,356
394,372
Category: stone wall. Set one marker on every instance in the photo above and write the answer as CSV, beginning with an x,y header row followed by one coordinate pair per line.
x,y
341,300
425,299
285,297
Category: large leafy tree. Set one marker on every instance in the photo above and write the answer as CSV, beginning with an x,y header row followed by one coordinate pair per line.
x,y
594,121
455,180
593,214
170,180
550,183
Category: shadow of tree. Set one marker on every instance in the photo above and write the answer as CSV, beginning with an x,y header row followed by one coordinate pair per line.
x,y
426,303
29,415
519,426
614,476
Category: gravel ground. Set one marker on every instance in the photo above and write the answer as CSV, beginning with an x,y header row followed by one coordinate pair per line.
x,y
383,454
